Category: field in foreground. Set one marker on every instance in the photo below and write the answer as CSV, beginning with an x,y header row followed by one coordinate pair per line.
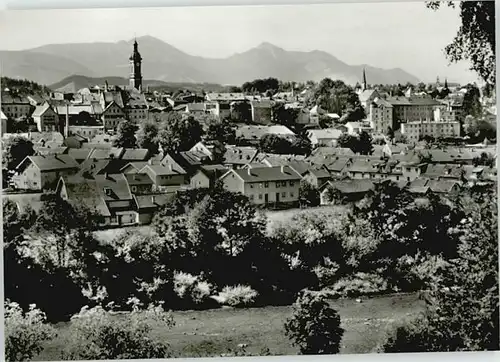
x,y
214,332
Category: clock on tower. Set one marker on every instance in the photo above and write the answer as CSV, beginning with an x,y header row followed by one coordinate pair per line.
x,y
135,78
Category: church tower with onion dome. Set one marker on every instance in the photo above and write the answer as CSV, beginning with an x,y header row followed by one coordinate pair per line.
x,y
135,79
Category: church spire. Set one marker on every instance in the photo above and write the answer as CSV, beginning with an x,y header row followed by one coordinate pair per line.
x,y
135,78
364,80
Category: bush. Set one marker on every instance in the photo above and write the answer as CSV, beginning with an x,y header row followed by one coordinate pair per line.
x,y
408,337
236,296
308,195
98,334
314,326
327,273
419,272
25,333
358,284
191,288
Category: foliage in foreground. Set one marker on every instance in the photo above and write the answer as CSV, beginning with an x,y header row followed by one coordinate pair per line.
x,y
237,296
96,334
25,333
314,326
463,304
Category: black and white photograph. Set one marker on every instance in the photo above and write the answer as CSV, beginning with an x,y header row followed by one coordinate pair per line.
x,y
257,180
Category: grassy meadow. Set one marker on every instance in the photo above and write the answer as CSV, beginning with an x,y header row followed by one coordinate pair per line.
x,y
217,331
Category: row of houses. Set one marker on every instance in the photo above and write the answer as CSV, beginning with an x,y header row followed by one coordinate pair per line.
x,y
126,186
106,107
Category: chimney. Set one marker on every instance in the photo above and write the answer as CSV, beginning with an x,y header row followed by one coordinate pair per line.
x,y
106,175
249,170
66,128
153,199
282,168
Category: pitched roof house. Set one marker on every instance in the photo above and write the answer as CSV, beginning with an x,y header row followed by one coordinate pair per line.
x,y
109,195
207,175
43,172
324,137
239,156
265,185
348,190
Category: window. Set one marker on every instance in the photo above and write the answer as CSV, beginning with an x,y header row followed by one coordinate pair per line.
x,y
261,185
283,194
291,194
278,184
134,188
266,184
251,185
260,196
291,183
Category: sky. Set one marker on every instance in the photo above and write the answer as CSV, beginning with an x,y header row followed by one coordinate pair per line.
x,y
386,35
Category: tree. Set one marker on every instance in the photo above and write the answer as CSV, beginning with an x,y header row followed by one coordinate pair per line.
x,y
178,133
63,226
274,144
208,233
472,101
285,116
147,137
354,111
96,334
301,146
241,112
478,129
421,87
347,141
336,97
475,39
15,150
333,195
462,311
126,135
215,226
364,144
25,333
314,326
390,133
485,159
308,194
443,93
400,138
261,85
221,131
27,281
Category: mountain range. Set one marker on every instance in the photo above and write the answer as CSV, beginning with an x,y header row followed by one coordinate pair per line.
x,y
162,62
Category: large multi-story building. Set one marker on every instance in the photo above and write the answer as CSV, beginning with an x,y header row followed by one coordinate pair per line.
x,y
380,115
415,130
15,106
443,123
412,109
